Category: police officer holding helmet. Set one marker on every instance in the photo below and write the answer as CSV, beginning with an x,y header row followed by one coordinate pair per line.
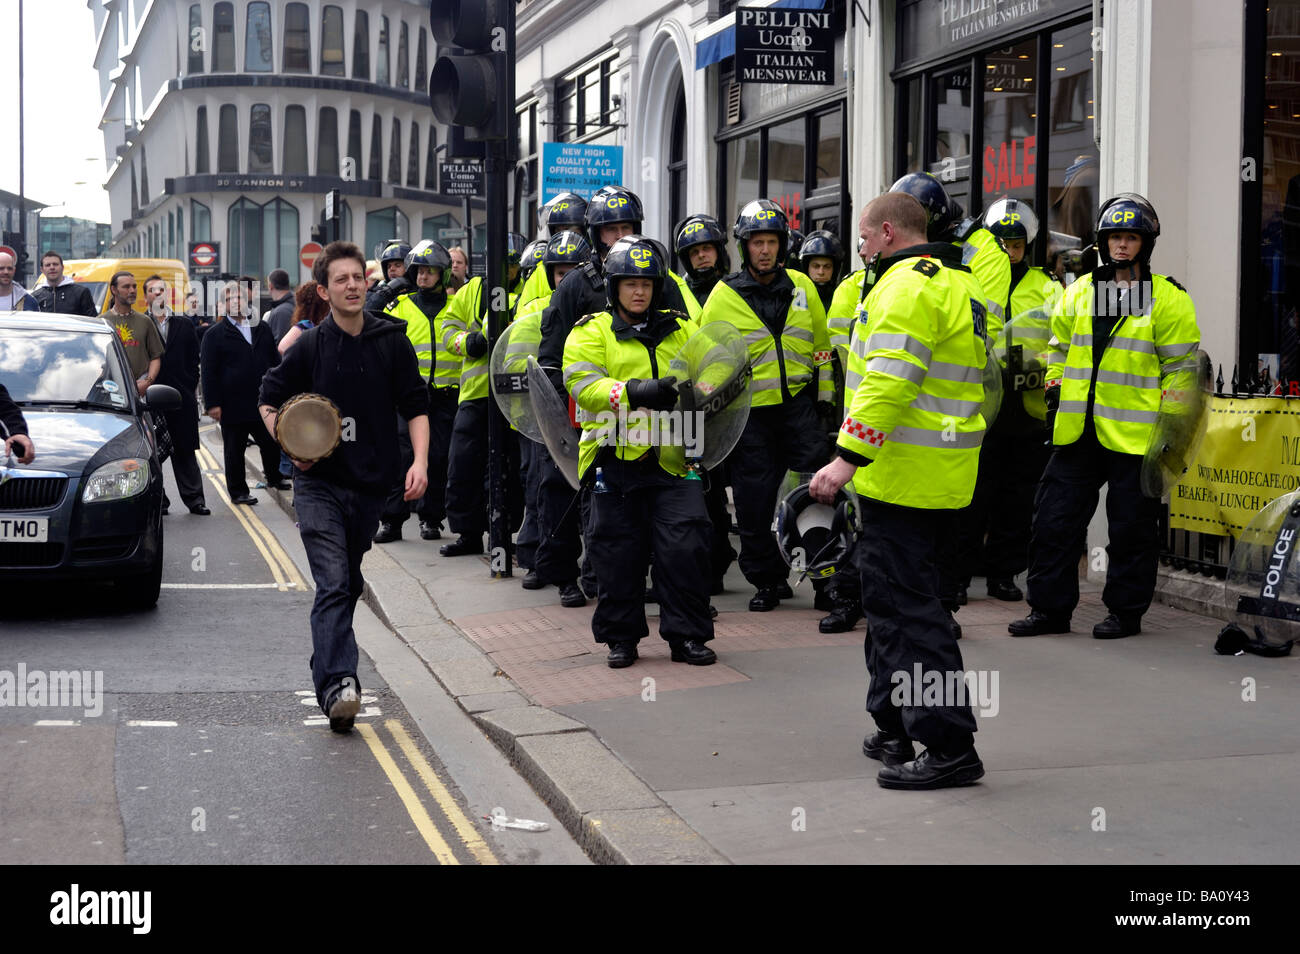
x,y
614,360
780,316
1120,337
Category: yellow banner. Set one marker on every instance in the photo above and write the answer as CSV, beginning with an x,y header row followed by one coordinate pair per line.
x,y
1250,456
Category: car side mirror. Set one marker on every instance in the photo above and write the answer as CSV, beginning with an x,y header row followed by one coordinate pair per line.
x,y
162,397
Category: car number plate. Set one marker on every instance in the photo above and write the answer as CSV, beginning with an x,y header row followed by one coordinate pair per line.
x,y
24,529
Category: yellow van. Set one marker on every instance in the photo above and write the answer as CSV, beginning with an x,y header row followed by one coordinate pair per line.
x,y
95,273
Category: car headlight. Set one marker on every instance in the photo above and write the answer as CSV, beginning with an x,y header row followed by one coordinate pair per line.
x,y
117,480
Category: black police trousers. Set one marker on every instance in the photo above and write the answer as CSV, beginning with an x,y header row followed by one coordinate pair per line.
x,y
721,552
430,507
777,439
530,478
562,514
993,532
898,559
1067,497
467,471
644,509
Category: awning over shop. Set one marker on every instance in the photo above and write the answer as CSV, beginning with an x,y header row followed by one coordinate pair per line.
x,y
717,41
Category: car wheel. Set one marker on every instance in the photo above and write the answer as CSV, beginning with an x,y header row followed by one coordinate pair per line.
x,y
141,592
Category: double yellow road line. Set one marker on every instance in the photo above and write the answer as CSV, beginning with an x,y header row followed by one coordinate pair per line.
x,y
465,829
283,570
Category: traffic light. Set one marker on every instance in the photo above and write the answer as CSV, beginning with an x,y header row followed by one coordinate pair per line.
x,y
470,86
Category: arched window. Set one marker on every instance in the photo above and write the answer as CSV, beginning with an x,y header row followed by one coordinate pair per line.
x,y
295,140
223,38
327,142
195,39
345,222
259,139
244,237
297,38
403,78
354,142
280,230
376,147
383,225
331,41
413,158
431,160
200,221
180,230
201,150
171,234
677,162
381,65
361,46
395,153
258,57
228,139
144,177
421,63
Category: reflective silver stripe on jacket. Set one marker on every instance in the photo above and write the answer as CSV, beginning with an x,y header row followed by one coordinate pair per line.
x,y
794,331
883,341
956,372
1139,345
1177,350
1127,380
898,368
921,437
1110,413
942,405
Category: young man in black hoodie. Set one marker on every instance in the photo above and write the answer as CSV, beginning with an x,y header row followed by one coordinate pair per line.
x,y
367,367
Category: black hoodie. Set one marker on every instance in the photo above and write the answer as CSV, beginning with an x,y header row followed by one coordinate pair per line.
x,y
368,377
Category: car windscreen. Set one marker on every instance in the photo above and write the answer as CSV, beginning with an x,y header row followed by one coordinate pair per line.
x,y
98,291
63,367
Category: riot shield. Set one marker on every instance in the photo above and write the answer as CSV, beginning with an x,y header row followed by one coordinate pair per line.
x,y
1262,590
1179,429
992,381
508,373
1021,350
552,418
714,379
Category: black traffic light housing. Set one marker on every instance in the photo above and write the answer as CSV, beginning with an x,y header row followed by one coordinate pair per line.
x,y
469,85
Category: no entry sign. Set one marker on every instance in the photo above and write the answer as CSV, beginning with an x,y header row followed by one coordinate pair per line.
x,y
308,254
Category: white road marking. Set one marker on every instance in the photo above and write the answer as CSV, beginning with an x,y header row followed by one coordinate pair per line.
x,y
229,586
324,720
150,724
58,722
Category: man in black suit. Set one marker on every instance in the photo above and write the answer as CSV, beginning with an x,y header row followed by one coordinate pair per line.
x,y
180,370
234,355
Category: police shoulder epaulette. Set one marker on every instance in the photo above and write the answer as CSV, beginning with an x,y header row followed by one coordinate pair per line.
x,y
1173,281
1048,273
926,267
584,319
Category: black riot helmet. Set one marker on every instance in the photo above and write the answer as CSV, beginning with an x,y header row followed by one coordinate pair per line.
x,y
531,257
941,213
515,244
609,206
568,210
762,215
794,243
823,244
701,230
635,256
1128,212
431,255
393,252
1012,219
813,537
567,247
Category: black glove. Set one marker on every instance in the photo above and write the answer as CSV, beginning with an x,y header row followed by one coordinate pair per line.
x,y
475,344
657,394
393,288
1052,397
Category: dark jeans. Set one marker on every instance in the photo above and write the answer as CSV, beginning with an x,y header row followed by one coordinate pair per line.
x,y
234,440
337,525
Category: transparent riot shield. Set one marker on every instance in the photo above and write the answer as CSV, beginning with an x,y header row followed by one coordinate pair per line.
x,y
508,373
992,381
714,379
1021,350
1262,591
1179,429
552,417
814,538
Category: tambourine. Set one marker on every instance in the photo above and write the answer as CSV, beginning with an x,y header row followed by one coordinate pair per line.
x,y
308,427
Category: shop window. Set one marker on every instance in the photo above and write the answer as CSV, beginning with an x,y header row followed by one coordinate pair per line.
x,y
228,139
413,158
261,238
433,224
951,120
280,230
828,133
381,63
744,170
297,38
403,78
911,145
259,138
331,41
1073,162
431,160
395,153
295,140
258,57
327,142
223,38
361,46
383,225
785,168
200,221
421,63
354,141
244,237
1009,158
566,112
677,165
376,147
195,39
201,150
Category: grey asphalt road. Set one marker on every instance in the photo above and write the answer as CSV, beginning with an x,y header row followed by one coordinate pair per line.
x,y
206,744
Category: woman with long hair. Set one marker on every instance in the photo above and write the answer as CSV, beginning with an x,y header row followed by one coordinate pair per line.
x,y
309,310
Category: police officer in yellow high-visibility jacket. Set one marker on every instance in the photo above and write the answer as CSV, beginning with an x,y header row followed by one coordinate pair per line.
x,y
464,336
1120,336
643,500
780,316
423,311
910,444
994,530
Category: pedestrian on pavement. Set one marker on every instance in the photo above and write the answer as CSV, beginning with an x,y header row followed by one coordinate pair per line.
x,y
60,293
280,315
910,444
233,356
779,314
459,269
1122,336
367,367
137,332
422,313
13,297
614,360
180,370
309,310
16,439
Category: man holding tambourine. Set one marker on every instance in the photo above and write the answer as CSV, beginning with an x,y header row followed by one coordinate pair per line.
x,y
337,390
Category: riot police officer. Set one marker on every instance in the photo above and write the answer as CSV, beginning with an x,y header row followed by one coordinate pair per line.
x,y
566,212
614,361
423,310
701,247
392,265
780,315
822,259
1121,336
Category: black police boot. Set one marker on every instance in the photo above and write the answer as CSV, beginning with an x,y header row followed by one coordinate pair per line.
x,y
621,654
693,652
571,597
765,600
823,601
843,617
1115,627
430,531
532,581
888,747
1005,590
783,591
1038,624
932,770
959,596
388,532
464,545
